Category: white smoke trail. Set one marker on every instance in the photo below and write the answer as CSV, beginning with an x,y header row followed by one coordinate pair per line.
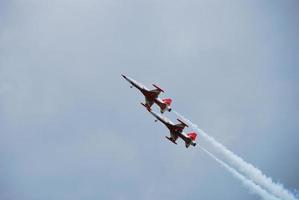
x,y
246,182
248,169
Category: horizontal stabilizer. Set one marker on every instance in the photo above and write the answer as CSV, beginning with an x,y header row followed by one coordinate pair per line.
x,y
192,136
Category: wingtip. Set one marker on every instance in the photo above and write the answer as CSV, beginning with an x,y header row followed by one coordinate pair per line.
x,y
147,108
182,122
158,88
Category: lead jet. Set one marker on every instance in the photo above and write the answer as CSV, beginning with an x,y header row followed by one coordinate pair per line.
x,y
176,130
151,96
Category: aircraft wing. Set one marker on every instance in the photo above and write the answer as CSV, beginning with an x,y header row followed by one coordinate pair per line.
x,y
148,102
180,126
173,137
155,92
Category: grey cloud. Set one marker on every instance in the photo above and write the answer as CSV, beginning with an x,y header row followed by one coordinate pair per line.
x,y
229,66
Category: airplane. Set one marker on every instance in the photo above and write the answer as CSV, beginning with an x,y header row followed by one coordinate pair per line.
x,y
151,96
176,130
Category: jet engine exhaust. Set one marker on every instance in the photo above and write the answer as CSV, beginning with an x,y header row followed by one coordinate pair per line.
x,y
249,170
246,182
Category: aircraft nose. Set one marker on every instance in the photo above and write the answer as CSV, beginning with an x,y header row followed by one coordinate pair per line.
x,y
123,76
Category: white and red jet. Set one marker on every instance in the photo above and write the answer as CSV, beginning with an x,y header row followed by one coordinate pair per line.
x,y
176,130
151,96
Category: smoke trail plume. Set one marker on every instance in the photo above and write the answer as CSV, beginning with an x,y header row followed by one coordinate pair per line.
x,y
246,182
248,169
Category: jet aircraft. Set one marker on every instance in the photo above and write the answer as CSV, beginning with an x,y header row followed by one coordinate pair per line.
x,y
176,130
151,96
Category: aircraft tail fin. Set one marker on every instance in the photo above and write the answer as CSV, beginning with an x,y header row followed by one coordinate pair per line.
x,y
192,136
167,101
165,105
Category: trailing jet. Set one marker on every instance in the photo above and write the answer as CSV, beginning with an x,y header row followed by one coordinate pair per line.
x,y
176,130
151,96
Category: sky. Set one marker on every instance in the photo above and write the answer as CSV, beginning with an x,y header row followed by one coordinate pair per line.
x,y
71,127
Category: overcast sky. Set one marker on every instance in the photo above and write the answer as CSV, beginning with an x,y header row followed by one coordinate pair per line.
x,y
71,128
